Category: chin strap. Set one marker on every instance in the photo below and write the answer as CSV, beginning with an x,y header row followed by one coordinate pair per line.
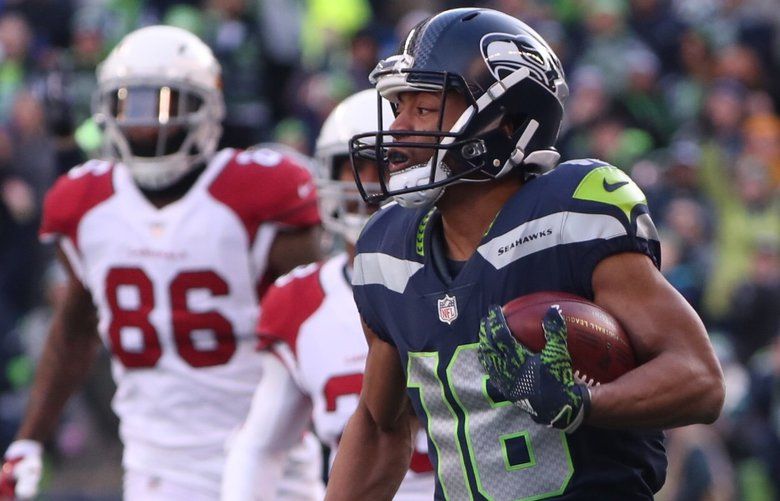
x,y
536,162
418,176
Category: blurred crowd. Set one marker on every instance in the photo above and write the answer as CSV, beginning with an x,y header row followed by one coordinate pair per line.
x,y
682,95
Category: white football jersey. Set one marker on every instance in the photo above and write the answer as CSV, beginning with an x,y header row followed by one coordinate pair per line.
x,y
177,292
310,320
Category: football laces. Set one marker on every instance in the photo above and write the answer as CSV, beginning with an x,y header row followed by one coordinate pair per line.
x,y
584,379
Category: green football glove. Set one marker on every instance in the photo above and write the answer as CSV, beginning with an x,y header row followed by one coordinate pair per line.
x,y
542,384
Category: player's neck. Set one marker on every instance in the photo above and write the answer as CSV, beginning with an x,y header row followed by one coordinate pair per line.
x,y
168,195
468,210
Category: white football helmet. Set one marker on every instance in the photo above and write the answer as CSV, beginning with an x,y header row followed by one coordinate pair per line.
x,y
160,101
342,208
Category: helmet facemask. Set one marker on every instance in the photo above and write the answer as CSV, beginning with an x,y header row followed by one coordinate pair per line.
x,y
342,208
159,131
451,156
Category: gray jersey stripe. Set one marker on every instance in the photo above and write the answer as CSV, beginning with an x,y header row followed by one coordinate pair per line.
x,y
383,269
548,232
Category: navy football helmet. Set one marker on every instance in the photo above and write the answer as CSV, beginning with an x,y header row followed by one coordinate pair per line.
x,y
514,86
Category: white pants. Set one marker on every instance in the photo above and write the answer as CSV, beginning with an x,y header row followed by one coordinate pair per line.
x,y
141,486
301,481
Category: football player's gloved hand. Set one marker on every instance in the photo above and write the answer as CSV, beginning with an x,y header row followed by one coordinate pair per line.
x,y
542,384
21,470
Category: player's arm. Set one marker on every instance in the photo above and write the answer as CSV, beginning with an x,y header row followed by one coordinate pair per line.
x,y
679,381
257,453
375,450
66,360
293,247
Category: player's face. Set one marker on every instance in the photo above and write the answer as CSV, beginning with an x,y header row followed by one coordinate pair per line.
x,y
150,141
421,111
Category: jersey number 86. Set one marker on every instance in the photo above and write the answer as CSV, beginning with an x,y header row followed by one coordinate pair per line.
x,y
186,324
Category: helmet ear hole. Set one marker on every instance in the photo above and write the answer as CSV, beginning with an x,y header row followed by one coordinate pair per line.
x,y
510,124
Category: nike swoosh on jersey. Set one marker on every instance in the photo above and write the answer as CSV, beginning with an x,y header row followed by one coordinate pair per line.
x,y
610,187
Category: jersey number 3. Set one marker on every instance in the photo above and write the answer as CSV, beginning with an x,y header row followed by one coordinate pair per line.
x,y
202,339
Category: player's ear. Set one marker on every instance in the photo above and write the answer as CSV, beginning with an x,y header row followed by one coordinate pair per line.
x,y
507,126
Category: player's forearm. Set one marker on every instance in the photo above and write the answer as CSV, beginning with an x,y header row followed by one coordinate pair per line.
x,y
258,451
371,462
246,470
64,365
666,392
679,381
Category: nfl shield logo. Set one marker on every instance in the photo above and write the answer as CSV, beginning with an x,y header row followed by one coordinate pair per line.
x,y
448,309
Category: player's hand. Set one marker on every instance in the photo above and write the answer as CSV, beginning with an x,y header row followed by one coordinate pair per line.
x,y
21,470
542,384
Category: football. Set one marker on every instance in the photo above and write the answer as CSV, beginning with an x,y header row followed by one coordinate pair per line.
x,y
599,347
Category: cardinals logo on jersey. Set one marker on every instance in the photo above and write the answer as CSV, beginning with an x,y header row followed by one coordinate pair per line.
x,y
505,54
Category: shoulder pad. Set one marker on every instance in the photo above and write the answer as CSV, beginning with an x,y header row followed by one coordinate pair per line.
x,y
609,185
72,196
292,299
262,185
576,184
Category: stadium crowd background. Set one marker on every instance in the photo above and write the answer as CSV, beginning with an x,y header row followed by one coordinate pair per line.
x,y
683,95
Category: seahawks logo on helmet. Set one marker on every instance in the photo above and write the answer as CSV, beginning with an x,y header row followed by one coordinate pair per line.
x,y
505,54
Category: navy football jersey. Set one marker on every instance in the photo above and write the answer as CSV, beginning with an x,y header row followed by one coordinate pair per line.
x,y
548,237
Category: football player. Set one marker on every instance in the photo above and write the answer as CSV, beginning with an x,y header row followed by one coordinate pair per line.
x,y
169,247
485,213
313,345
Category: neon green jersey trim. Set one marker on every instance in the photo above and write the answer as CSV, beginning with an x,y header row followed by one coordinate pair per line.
x,y
610,185
420,239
